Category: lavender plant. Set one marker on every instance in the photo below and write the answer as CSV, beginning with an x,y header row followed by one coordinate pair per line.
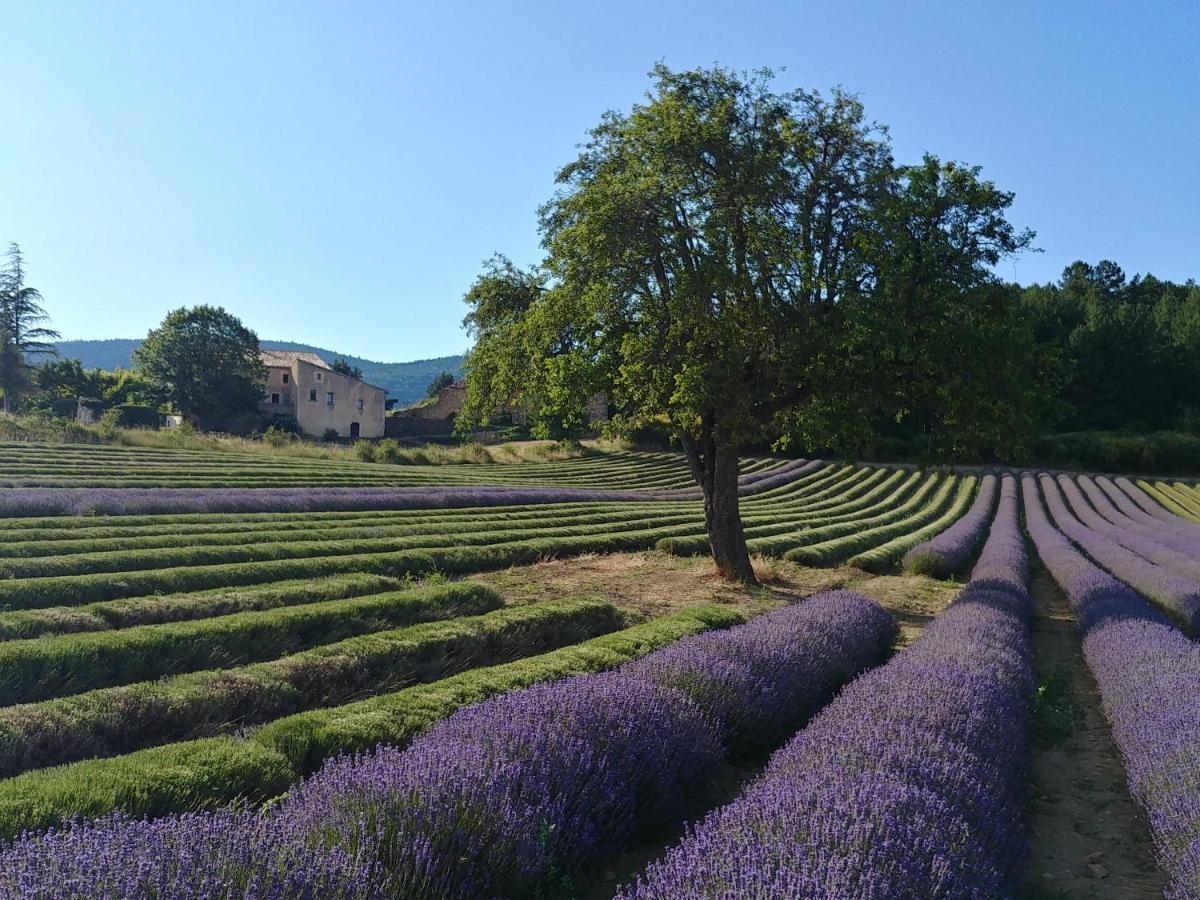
x,y
1149,677
948,553
908,785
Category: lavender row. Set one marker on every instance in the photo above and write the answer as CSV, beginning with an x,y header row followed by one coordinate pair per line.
x,y
506,797
1154,530
947,553
1155,510
908,785
1149,678
1177,594
1003,563
125,501
1143,541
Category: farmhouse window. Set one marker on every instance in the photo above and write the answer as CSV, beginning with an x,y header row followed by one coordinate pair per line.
x,y
286,377
360,406
320,376
274,398
312,395
329,399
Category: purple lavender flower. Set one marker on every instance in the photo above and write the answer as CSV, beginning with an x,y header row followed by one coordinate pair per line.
x,y
1149,678
193,857
908,785
948,552
1177,594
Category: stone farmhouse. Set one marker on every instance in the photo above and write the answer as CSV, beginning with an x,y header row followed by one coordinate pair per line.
x,y
302,386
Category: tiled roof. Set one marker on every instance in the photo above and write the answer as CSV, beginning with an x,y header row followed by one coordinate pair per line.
x,y
287,357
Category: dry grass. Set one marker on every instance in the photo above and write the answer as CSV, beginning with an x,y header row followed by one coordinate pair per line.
x,y
651,584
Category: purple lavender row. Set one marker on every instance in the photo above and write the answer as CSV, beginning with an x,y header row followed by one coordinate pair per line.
x,y
1155,509
908,785
505,797
502,798
1145,543
123,501
200,856
1154,530
1149,678
1003,563
1177,594
749,485
949,552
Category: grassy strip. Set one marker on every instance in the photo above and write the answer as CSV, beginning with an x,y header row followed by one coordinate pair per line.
x,y
161,608
118,720
49,667
885,557
31,593
831,552
212,771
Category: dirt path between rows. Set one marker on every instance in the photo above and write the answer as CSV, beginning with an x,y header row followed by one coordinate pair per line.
x,y
1087,836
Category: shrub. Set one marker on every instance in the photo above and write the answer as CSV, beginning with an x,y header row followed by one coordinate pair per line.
x,y
275,436
331,435
131,415
364,450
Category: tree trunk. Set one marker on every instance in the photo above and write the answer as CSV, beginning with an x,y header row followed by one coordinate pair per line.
x,y
713,457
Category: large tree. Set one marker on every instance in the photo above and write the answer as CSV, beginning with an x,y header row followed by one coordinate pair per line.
x,y
24,335
205,363
695,248
931,354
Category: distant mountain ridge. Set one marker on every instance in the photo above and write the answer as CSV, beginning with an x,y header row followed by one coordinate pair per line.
x,y
405,381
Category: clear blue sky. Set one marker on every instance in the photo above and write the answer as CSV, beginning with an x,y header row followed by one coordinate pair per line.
x,y
335,172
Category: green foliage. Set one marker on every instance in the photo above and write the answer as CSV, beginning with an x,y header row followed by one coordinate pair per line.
x,y
1130,348
931,357
24,334
180,777
1057,713
62,378
109,425
342,367
275,436
204,363
365,450
1163,452
330,436
162,608
440,382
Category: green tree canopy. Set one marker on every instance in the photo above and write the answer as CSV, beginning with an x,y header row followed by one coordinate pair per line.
x,y
930,354
24,334
708,250
343,367
205,363
442,381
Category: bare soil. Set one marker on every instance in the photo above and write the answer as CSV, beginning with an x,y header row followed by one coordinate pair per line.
x,y
1087,836
651,584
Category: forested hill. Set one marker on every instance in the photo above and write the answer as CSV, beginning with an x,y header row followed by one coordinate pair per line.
x,y
405,381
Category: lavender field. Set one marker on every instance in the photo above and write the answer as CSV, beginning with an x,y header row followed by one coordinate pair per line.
x,y
222,681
